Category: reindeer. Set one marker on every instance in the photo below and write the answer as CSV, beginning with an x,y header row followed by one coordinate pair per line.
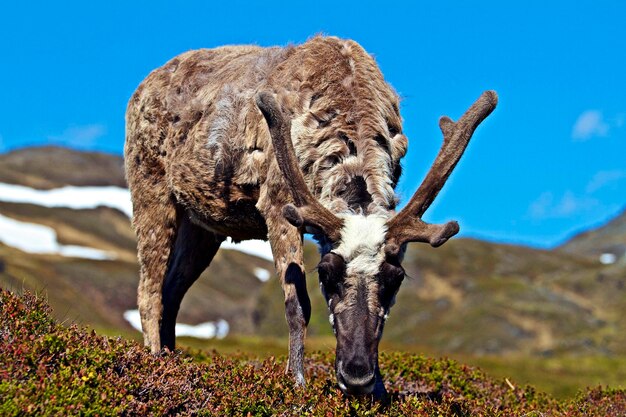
x,y
272,143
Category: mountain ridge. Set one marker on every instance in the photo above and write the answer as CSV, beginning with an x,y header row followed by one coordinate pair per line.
x,y
608,237
46,167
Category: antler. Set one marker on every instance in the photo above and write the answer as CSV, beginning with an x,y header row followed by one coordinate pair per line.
x,y
308,211
407,225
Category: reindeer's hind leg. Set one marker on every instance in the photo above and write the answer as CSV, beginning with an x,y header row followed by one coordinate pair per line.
x,y
193,251
154,220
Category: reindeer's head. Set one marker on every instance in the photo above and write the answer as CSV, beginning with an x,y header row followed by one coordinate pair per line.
x,y
360,271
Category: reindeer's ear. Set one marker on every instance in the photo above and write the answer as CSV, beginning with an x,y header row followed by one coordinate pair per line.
x,y
299,217
293,216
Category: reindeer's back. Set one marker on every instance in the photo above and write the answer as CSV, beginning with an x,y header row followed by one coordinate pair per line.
x,y
187,128
193,124
175,96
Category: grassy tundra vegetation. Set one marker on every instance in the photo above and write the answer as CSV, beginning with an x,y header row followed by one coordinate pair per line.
x,y
549,318
562,377
50,369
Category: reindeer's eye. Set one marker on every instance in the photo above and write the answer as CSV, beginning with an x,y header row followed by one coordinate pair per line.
x,y
331,272
391,273
332,265
390,278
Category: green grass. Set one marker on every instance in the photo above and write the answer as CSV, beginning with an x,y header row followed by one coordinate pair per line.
x,y
561,376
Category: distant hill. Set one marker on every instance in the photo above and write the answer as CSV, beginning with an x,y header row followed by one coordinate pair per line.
x,y
607,239
53,166
468,296
485,298
99,292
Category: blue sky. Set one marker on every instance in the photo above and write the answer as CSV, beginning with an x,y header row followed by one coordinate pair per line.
x,y
550,161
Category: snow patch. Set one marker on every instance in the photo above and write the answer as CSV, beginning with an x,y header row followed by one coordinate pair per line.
x,y
262,274
133,318
70,196
207,330
258,248
608,258
36,238
110,196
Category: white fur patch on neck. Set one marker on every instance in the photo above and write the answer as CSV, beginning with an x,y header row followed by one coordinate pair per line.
x,y
362,242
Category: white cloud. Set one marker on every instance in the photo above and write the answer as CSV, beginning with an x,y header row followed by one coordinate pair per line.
x,y
590,124
79,136
549,207
539,207
603,178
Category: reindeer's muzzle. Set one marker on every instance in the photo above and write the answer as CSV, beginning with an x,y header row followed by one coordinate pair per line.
x,y
355,377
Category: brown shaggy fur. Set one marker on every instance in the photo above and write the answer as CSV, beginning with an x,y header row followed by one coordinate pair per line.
x,y
200,164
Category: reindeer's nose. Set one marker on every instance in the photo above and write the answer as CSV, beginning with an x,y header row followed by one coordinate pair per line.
x,y
356,377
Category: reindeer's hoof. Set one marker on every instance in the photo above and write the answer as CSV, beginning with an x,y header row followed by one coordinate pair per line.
x,y
299,379
379,392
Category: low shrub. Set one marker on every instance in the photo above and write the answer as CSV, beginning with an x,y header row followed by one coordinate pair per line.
x,y
50,370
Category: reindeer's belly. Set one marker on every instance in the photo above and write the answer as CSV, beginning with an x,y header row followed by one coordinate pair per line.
x,y
239,219
217,202
242,222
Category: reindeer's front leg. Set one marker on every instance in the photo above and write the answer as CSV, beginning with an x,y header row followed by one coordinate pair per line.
x,y
287,243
